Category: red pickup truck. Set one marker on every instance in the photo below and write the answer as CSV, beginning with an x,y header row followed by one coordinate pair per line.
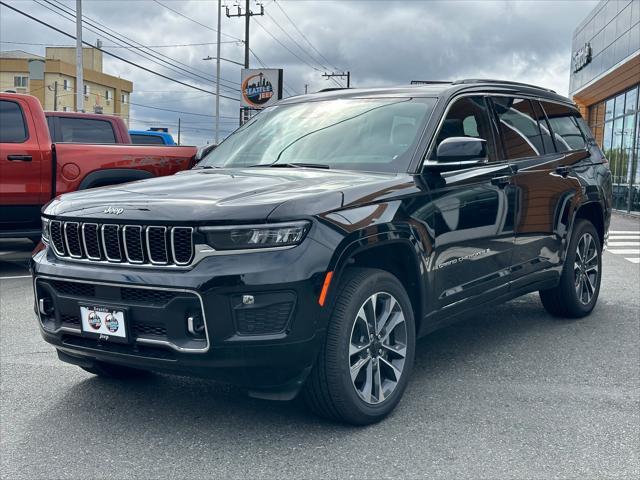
x,y
33,169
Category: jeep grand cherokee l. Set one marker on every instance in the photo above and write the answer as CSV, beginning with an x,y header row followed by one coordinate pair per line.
x,y
312,247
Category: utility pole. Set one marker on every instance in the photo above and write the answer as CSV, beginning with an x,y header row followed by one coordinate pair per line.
x,y
342,75
178,131
55,96
79,58
218,74
306,88
247,16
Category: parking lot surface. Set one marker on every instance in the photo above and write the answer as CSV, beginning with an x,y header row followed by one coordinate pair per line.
x,y
509,393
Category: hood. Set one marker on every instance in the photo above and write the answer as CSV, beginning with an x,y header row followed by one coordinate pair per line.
x,y
229,195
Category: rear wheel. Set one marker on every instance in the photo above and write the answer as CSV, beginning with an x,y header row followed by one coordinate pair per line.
x,y
365,363
577,293
109,370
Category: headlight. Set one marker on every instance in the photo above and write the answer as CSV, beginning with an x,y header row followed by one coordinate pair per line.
x,y
256,236
45,230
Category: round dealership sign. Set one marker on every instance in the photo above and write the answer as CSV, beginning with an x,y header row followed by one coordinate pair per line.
x,y
261,87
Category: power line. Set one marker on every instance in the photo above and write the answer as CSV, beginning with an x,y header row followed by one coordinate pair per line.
x,y
166,77
285,47
304,36
123,39
296,43
121,46
174,111
197,22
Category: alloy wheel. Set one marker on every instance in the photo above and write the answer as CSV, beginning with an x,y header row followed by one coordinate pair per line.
x,y
586,268
377,348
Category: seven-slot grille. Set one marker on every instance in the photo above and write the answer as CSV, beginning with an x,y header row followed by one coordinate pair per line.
x,y
134,244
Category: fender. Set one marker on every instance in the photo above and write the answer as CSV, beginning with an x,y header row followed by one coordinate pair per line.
x,y
386,236
112,176
595,202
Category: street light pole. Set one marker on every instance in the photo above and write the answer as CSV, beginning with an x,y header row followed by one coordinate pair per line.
x,y
79,58
218,75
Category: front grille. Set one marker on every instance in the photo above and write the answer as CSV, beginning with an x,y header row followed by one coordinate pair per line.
x,y
57,238
70,319
130,244
144,295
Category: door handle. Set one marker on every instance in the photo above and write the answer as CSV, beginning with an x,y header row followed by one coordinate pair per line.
x,y
19,158
501,181
564,171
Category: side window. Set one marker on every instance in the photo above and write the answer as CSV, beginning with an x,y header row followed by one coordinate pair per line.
x,y
519,129
564,126
85,130
12,126
545,129
467,117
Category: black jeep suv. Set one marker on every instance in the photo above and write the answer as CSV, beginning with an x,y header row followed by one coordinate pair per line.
x,y
312,247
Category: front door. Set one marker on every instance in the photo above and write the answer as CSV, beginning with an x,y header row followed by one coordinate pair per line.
x,y
21,183
470,215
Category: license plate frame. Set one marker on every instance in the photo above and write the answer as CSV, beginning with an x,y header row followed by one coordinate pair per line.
x,y
100,326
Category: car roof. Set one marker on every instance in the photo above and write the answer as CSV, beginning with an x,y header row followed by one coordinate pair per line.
x,y
93,116
434,89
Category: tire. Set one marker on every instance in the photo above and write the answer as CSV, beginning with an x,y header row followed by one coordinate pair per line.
x,y
109,370
330,391
576,294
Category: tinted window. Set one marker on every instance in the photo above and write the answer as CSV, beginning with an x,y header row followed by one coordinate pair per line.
x,y
85,130
12,126
467,117
564,125
519,128
146,139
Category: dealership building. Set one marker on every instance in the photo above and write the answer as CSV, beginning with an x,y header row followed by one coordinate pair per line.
x,y
605,78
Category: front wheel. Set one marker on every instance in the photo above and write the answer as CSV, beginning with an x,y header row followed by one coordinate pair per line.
x,y
577,293
365,363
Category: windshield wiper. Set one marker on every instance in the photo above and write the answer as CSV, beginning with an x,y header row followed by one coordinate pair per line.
x,y
206,167
300,165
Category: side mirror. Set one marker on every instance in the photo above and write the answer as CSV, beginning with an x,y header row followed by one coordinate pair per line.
x,y
457,153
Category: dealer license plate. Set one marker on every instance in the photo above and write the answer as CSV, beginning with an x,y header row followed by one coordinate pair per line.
x,y
105,323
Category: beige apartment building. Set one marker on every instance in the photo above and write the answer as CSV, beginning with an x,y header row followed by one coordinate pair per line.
x,y
52,79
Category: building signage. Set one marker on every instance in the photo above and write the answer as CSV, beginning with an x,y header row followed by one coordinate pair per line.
x,y
581,58
261,87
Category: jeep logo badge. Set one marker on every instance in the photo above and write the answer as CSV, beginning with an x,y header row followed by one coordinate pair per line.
x,y
113,210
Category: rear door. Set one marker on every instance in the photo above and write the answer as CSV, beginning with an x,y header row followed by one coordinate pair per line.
x,y
22,187
545,143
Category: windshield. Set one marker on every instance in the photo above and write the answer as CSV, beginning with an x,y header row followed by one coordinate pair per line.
x,y
351,134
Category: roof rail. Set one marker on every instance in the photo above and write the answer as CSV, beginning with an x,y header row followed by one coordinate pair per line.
x,y
504,82
428,82
332,89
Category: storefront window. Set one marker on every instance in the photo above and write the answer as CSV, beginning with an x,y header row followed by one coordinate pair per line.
x,y
615,124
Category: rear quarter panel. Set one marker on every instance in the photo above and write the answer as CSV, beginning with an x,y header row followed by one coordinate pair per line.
x,y
76,161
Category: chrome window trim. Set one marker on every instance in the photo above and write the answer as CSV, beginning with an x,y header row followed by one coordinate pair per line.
x,y
173,245
104,244
53,244
124,239
66,238
172,345
166,249
84,241
488,93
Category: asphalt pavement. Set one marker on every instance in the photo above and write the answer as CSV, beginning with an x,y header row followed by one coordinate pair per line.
x,y
508,393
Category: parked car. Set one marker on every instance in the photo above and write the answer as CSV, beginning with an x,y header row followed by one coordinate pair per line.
x,y
311,248
33,169
77,127
151,137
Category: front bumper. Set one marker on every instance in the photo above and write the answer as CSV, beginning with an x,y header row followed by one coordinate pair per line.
x,y
267,345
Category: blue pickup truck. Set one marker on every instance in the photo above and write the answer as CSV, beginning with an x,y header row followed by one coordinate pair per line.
x,y
151,137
